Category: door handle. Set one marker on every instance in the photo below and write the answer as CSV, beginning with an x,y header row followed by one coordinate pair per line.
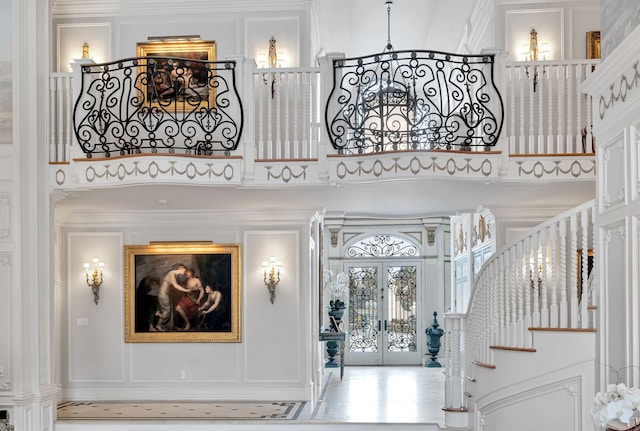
x,y
385,325
379,326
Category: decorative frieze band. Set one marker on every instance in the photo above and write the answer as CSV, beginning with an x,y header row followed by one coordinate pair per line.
x,y
618,92
556,168
380,167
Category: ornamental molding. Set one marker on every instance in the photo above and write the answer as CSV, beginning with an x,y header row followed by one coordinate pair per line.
x,y
380,167
5,216
286,173
618,91
5,386
201,171
557,168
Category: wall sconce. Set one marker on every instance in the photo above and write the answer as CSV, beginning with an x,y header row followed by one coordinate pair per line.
x,y
94,278
532,52
272,276
85,50
272,59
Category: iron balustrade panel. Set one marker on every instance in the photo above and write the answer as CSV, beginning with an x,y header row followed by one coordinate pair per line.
x,y
158,105
413,100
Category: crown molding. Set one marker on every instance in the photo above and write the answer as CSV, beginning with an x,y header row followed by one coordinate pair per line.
x,y
105,8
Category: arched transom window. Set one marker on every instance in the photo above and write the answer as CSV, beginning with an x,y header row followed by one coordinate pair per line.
x,y
382,245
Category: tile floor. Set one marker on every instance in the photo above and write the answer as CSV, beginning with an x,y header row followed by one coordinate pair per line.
x,y
368,398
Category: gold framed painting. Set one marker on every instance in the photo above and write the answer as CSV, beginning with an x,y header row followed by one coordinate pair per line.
x,y
178,72
593,44
182,292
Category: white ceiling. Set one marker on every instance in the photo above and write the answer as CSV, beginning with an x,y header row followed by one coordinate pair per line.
x,y
415,198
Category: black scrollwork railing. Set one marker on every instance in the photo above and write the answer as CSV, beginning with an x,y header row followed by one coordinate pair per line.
x,y
413,100
158,105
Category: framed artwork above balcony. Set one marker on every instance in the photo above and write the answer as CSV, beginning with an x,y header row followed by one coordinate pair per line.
x,y
177,72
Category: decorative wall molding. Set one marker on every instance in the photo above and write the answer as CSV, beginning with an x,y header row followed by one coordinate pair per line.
x,y
141,170
478,165
84,8
618,91
5,386
5,216
613,173
286,173
555,168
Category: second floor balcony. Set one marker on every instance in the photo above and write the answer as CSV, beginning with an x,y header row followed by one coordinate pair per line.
x,y
394,115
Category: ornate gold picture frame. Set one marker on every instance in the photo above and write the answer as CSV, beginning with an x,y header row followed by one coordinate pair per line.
x,y
182,292
179,71
593,44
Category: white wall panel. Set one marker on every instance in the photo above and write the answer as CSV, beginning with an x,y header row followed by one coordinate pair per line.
x,y
96,350
272,331
612,178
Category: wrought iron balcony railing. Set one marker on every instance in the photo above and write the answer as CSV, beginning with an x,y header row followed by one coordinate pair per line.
x,y
158,105
412,100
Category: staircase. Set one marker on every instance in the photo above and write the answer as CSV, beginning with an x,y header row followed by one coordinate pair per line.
x,y
524,353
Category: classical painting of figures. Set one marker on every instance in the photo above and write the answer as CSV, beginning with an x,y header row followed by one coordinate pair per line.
x,y
182,292
176,71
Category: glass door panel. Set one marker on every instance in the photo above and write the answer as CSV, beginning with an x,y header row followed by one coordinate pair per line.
x,y
364,338
383,314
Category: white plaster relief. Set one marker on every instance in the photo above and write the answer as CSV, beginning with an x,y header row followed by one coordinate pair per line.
x,y
154,169
571,389
378,167
613,166
619,91
5,386
5,216
539,169
286,174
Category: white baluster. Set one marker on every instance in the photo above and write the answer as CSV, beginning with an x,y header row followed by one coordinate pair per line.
x,y
569,130
552,71
297,96
584,302
554,315
520,294
573,297
537,280
525,287
564,316
68,123
502,300
579,121
511,74
524,85
560,141
259,90
544,307
540,103
284,90
514,296
532,94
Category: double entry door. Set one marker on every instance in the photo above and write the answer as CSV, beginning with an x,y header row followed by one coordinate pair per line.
x,y
383,313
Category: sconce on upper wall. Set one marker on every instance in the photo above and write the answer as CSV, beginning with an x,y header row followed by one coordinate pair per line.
x,y
271,59
85,50
272,276
532,52
94,278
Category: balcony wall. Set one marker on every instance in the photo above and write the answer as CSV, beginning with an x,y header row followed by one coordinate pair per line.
x,y
546,136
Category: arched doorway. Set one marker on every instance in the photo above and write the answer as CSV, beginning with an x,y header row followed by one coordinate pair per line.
x,y
399,274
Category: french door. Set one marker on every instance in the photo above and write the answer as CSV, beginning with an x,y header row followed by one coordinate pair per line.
x,y
383,313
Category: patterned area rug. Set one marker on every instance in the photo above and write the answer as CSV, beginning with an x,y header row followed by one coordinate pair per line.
x,y
134,410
